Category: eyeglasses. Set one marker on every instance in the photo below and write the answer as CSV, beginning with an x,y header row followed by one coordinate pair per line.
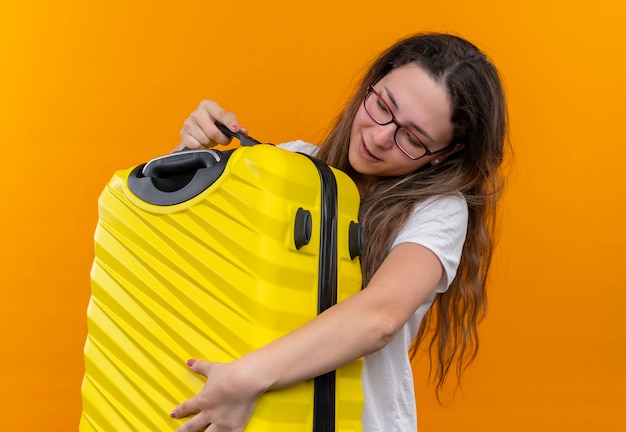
x,y
381,113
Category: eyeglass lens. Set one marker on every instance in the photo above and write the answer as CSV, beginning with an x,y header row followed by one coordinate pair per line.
x,y
380,112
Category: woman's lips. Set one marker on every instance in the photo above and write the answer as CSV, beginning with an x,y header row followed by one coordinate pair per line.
x,y
366,153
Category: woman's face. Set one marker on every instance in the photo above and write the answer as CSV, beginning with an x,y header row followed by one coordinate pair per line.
x,y
417,102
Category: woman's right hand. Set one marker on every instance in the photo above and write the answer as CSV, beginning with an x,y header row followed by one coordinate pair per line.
x,y
199,130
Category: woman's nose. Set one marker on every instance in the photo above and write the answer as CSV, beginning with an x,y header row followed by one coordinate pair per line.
x,y
383,135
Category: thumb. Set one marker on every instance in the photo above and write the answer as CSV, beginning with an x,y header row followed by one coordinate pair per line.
x,y
199,366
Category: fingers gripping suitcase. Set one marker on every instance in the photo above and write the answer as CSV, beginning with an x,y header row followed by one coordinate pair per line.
x,y
210,255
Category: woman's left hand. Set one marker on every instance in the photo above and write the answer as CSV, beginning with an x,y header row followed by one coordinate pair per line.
x,y
226,402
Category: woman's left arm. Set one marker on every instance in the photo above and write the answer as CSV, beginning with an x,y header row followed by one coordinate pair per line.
x,y
359,325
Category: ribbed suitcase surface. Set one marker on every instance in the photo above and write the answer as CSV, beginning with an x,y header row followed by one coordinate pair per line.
x,y
214,277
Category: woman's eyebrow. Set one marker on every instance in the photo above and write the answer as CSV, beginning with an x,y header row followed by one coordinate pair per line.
x,y
413,125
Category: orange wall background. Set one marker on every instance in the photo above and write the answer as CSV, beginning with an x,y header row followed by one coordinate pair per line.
x,y
87,88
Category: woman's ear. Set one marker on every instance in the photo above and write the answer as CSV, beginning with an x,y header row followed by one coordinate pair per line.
x,y
440,157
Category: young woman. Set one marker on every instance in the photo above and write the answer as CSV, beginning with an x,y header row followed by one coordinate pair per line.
x,y
423,139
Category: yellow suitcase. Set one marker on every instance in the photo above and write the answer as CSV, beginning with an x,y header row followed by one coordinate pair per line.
x,y
207,254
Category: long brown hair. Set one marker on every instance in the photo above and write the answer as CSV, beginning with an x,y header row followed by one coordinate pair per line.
x,y
479,118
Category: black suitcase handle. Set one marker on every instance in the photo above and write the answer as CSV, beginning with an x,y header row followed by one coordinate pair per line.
x,y
188,160
183,161
177,177
245,140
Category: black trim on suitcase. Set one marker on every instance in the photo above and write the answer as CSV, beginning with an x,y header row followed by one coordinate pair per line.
x,y
324,393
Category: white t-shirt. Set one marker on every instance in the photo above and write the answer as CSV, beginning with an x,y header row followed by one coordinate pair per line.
x,y
440,224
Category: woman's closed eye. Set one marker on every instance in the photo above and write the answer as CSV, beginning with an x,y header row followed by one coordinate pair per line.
x,y
414,141
380,104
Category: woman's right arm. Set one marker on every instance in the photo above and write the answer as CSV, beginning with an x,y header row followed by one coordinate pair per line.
x,y
199,130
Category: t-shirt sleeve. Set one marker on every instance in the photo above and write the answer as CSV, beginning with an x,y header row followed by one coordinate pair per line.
x,y
439,224
300,147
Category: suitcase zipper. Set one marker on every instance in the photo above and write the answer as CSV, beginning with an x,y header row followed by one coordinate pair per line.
x,y
324,385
